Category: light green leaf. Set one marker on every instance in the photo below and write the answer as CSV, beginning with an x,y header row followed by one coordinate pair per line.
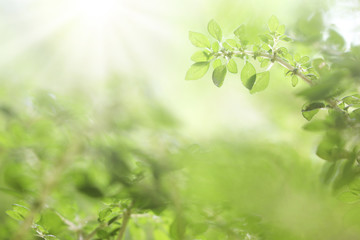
x,y
232,66
215,30
294,80
281,29
248,75
240,32
231,42
15,215
286,39
282,51
273,23
200,56
353,99
217,63
218,75
227,46
261,82
197,70
349,197
215,46
304,60
265,63
199,40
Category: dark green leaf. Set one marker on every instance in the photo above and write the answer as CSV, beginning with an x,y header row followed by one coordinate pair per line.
x,y
248,75
309,110
218,75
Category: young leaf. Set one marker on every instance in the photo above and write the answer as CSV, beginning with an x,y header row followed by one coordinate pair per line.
x,y
215,30
273,23
215,46
197,70
261,82
294,80
199,40
240,32
231,42
248,75
218,75
310,110
281,29
265,63
353,99
286,39
304,60
200,56
232,66
216,63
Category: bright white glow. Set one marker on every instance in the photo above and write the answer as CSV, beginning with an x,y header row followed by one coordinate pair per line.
x,y
95,11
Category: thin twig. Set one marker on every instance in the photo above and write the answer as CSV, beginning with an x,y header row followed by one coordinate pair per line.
x,y
126,218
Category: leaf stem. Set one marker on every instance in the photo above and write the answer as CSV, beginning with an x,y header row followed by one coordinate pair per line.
x,y
126,218
281,61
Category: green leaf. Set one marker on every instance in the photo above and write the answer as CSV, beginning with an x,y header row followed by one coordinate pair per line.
x,y
310,110
227,46
232,43
248,75
104,213
304,59
261,82
265,63
240,32
266,38
336,40
217,63
355,114
330,148
349,197
282,51
200,56
281,29
232,66
199,40
215,46
15,215
218,75
294,80
286,39
215,30
197,70
353,99
273,23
